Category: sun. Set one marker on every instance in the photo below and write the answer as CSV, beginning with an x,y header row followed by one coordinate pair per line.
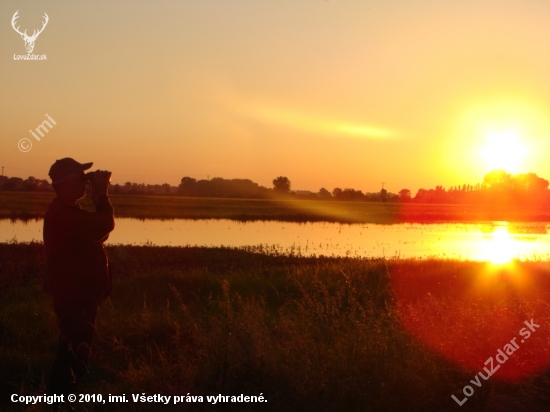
x,y
499,132
503,149
500,247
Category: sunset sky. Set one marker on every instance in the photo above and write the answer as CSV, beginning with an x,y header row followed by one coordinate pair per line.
x,y
328,93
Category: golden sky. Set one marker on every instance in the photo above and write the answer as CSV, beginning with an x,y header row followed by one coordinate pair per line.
x,y
328,93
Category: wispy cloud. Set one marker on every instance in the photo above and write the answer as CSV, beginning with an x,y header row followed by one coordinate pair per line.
x,y
312,123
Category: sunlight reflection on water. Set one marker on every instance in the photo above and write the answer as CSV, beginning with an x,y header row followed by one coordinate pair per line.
x,y
493,241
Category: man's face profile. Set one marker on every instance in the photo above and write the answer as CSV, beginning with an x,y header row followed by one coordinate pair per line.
x,y
73,186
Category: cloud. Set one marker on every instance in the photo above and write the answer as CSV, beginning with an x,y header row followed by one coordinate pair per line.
x,y
311,123
280,115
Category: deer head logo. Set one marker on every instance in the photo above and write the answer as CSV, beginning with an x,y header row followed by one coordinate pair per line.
x,y
29,40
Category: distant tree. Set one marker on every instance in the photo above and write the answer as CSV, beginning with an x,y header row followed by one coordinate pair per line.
x,y
45,186
324,193
530,182
383,195
166,189
421,196
372,197
30,184
352,194
187,186
3,181
13,183
497,180
337,192
281,184
115,189
405,195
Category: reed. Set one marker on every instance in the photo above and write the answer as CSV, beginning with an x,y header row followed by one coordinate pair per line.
x,y
313,334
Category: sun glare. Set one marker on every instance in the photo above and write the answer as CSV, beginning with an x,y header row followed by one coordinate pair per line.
x,y
503,133
499,247
503,150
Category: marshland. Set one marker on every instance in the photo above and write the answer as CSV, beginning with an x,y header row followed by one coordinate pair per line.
x,y
308,332
334,334
332,205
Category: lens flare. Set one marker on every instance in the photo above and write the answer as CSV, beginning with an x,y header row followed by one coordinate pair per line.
x,y
499,247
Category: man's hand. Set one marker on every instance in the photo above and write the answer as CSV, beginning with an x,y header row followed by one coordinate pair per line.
x,y
100,183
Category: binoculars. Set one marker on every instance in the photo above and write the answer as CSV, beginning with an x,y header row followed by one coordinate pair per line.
x,y
90,175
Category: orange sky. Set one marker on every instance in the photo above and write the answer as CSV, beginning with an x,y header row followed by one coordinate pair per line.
x,y
333,94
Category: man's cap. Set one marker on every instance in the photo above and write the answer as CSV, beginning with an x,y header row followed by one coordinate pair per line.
x,y
64,167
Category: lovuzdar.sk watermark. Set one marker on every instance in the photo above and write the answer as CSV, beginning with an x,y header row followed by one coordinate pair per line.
x,y
29,40
501,357
30,57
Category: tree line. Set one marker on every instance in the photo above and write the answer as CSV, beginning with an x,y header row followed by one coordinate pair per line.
x,y
497,187
245,188
32,184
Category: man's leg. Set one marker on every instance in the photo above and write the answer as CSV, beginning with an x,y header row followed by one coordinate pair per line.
x,y
63,380
83,336
76,327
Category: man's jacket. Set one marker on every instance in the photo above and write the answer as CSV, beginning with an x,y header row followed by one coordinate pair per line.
x,y
77,265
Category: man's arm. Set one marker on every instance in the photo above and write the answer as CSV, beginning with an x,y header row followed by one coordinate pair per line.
x,y
97,226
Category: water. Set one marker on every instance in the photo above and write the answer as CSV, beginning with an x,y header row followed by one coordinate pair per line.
x,y
495,241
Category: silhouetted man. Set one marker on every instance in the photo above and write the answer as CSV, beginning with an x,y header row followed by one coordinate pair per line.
x,y
78,275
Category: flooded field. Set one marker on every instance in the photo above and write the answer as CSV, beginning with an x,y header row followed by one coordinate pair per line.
x,y
494,241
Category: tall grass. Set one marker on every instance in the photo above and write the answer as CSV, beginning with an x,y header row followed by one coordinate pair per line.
x,y
311,334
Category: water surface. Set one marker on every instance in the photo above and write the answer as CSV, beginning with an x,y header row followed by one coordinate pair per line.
x,y
496,241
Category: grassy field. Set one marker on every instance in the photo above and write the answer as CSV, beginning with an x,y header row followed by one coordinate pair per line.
x,y
310,334
27,205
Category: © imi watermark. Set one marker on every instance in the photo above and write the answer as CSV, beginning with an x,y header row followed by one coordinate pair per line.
x,y
501,357
29,40
25,144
